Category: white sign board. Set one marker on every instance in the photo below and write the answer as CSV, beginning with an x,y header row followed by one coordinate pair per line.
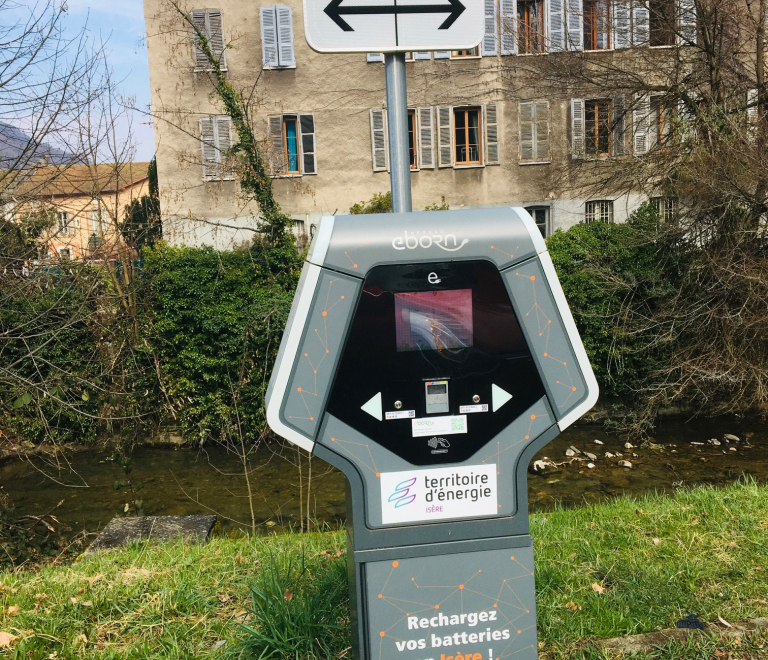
x,y
372,26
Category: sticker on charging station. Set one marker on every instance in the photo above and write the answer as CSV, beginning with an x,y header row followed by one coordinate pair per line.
x,y
400,414
439,425
478,407
457,492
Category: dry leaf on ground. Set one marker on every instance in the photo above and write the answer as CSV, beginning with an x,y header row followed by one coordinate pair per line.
x,y
598,588
13,609
288,595
7,640
572,606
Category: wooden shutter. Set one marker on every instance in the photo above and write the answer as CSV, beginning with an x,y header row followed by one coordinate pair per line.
x,y
556,26
442,54
640,137
445,136
379,142
640,23
621,33
491,112
753,109
277,152
422,55
285,50
490,37
526,121
541,134
574,25
308,157
374,57
508,27
577,127
687,28
198,20
215,34
426,138
224,145
210,154
269,36
617,126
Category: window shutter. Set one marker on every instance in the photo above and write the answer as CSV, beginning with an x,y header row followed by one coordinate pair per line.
x,y
309,159
621,35
491,33
269,36
215,34
426,138
640,23
198,20
526,119
753,110
442,54
541,133
491,134
617,126
640,137
211,168
374,57
422,55
577,127
285,50
574,26
508,27
277,154
224,144
379,146
556,26
687,31
445,136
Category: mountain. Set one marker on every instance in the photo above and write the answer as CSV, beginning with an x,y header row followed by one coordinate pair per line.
x,y
14,141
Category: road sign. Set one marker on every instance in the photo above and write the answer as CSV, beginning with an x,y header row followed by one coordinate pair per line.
x,y
372,26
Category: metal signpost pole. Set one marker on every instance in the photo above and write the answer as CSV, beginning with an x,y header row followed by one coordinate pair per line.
x,y
397,120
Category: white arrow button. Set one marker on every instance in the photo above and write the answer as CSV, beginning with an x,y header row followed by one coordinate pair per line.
x,y
373,406
498,396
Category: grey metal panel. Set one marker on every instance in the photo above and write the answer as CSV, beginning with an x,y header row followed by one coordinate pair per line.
x,y
477,602
360,242
319,351
546,337
448,548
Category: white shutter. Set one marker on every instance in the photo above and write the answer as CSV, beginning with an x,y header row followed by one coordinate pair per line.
x,y
491,32
445,136
308,156
269,36
575,28
491,112
224,144
508,27
577,127
556,26
215,34
426,138
620,14
422,55
541,132
640,129
211,168
617,126
379,142
277,153
640,23
198,20
374,57
442,54
285,50
753,110
526,121
687,28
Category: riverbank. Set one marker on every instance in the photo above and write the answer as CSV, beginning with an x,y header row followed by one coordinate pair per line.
x,y
629,566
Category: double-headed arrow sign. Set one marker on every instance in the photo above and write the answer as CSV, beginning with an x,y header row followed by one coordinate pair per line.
x,y
335,11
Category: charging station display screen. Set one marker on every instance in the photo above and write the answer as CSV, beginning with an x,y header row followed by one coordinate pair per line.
x,y
434,320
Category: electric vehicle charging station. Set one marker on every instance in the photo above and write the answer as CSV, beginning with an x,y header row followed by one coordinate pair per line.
x,y
428,356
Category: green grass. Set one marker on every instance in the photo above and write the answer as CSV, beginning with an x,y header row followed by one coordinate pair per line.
x,y
179,601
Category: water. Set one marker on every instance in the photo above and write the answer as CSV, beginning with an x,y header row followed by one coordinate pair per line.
x,y
79,489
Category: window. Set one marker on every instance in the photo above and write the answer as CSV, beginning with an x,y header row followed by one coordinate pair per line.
x,y
540,215
293,144
597,25
96,218
598,211
597,127
466,127
666,207
661,22
209,23
65,253
534,132
662,116
412,140
277,36
64,223
421,146
530,26
215,142
472,52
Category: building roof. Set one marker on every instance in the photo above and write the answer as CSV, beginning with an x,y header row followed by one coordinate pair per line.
x,y
72,180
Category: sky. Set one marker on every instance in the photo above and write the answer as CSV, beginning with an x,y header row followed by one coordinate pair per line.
x,y
120,23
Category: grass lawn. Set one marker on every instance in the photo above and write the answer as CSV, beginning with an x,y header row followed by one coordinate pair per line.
x,y
626,567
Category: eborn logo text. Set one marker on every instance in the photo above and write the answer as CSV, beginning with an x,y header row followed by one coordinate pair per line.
x,y
426,239
402,495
